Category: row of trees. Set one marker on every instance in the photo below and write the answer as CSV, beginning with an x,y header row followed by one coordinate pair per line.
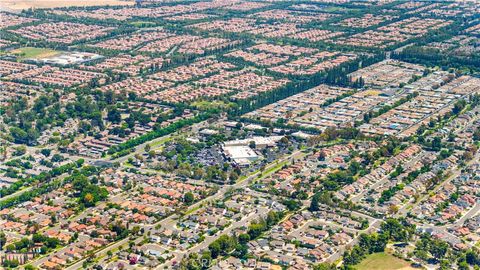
x,y
159,133
337,76
435,57
25,244
47,187
43,177
386,108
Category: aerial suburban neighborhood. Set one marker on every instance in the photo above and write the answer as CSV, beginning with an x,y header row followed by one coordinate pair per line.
x,y
240,134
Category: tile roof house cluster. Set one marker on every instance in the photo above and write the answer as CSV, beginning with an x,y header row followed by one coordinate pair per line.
x,y
54,76
125,63
296,106
11,90
431,102
73,252
465,187
152,12
365,182
8,67
294,60
366,21
316,245
199,69
159,195
164,45
9,20
131,41
293,16
202,45
393,33
319,62
246,6
275,30
189,17
388,73
140,86
35,214
62,32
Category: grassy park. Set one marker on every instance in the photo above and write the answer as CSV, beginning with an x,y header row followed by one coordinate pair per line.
x,y
32,52
383,261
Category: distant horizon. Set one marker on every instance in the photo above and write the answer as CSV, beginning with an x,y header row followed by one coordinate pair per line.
x,y
240,134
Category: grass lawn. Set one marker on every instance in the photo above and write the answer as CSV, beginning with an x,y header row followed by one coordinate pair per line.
x,y
161,141
274,168
264,173
142,24
31,52
192,210
205,105
383,261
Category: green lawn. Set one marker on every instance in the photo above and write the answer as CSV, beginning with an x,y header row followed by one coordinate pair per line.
x,y
275,168
383,261
160,142
192,210
31,52
142,24
206,105
335,9
263,174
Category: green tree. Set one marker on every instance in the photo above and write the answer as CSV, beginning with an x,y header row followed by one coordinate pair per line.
x,y
215,249
324,266
114,115
189,198
3,240
243,238
314,204
438,249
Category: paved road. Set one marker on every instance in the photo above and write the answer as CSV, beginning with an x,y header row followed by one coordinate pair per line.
x,y
82,215
60,177
472,212
384,180
262,211
337,255
454,174
170,221
31,150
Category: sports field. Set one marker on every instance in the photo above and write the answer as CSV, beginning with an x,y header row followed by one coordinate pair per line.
x,y
34,53
383,261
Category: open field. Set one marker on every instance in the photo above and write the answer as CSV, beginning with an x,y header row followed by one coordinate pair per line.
x,y
25,4
383,261
37,53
